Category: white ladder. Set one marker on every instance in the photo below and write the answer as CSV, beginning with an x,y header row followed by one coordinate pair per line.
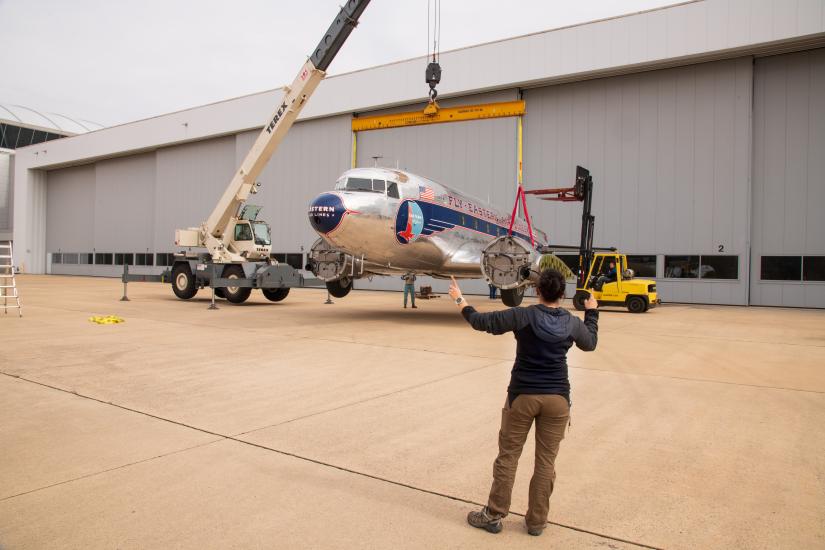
x,y
8,285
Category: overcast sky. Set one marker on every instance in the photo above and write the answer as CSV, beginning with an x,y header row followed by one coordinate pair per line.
x,y
113,61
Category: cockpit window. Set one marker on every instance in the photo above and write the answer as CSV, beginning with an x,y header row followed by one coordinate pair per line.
x,y
392,190
359,184
366,184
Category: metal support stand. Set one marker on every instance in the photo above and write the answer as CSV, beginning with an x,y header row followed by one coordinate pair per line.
x,y
214,276
329,299
125,298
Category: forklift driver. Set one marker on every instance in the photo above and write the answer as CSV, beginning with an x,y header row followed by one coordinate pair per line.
x,y
608,277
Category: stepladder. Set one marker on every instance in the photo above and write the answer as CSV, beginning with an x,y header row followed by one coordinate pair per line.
x,y
9,293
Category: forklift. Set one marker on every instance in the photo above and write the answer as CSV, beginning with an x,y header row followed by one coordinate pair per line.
x,y
611,285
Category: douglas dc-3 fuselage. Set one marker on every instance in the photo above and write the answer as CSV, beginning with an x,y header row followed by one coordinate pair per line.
x,y
379,221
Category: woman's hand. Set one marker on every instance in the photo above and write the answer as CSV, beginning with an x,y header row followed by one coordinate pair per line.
x,y
455,292
591,302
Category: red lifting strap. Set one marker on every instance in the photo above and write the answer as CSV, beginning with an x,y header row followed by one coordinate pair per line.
x,y
520,197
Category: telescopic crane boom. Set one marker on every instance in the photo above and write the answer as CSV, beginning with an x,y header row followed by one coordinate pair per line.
x,y
213,232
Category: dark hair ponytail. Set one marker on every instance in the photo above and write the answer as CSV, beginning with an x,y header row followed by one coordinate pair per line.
x,y
551,285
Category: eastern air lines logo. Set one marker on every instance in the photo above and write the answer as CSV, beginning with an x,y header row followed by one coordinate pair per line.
x,y
409,222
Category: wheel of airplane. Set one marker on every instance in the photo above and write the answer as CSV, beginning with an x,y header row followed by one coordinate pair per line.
x,y
183,282
339,288
235,294
219,293
512,297
275,294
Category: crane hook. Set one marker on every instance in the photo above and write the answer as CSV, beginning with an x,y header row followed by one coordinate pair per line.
x,y
433,76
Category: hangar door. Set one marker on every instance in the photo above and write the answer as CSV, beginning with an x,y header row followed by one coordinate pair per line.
x,y
788,231
476,157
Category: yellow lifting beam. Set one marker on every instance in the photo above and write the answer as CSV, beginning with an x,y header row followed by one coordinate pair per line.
x,y
443,114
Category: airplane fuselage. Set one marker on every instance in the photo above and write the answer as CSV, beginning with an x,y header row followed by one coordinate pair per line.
x,y
397,222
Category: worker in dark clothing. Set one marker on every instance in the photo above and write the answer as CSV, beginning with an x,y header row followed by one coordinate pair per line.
x,y
409,288
493,291
539,391
608,277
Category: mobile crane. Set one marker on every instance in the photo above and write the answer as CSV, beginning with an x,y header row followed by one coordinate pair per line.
x,y
237,257
616,289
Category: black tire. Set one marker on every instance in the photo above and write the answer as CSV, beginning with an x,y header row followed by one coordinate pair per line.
x,y
235,294
512,297
183,282
636,304
339,288
579,299
275,294
219,293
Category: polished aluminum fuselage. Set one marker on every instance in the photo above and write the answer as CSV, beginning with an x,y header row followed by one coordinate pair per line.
x,y
429,229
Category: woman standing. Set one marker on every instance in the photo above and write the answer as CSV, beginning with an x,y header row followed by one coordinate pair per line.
x,y
539,391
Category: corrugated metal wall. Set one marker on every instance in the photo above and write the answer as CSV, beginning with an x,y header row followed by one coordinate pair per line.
x,y
669,152
789,172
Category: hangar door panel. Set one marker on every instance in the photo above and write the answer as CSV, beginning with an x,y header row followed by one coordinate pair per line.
x,y
788,263
70,209
125,204
190,180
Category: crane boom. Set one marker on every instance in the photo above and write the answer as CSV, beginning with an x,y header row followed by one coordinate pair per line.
x,y
213,230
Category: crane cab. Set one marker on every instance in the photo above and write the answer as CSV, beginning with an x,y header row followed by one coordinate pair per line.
x,y
612,283
248,236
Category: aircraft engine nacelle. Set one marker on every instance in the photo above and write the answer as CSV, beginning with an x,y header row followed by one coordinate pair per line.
x,y
330,264
507,263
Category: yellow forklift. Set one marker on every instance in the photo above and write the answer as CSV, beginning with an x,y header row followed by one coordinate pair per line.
x,y
602,271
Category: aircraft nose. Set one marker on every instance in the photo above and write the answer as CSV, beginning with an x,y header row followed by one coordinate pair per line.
x,y
326,212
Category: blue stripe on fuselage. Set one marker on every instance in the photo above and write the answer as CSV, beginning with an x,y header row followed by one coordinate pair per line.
x,y
444,218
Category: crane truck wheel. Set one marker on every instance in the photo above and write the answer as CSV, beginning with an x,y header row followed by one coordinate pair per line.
x,y
235,294
636,304
339,288
512,297
275,294
579,299
183,282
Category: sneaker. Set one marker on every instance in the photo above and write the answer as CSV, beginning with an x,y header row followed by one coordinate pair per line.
x,y
485,520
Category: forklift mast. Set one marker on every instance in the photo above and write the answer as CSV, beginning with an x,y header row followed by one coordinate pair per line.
x,y
582,192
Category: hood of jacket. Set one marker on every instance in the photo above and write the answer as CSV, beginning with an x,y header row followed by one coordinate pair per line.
x,y
550,324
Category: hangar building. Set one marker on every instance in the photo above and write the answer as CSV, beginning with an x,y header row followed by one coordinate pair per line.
x,y
20,127
703,125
